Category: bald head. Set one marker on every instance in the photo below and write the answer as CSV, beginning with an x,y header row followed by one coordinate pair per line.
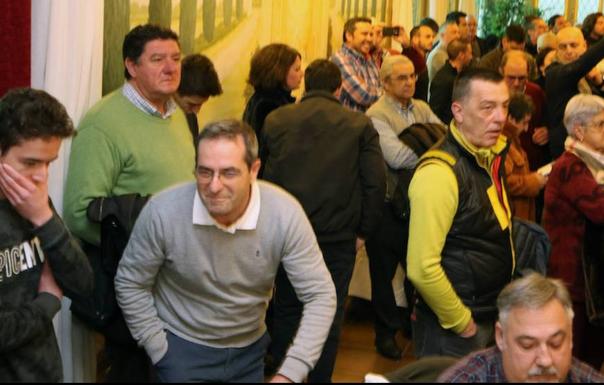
x,y
569,32
571,44
514,68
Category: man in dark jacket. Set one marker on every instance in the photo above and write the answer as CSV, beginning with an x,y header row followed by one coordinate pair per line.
x,y
39,259
565,79
460,252
329,158
441,88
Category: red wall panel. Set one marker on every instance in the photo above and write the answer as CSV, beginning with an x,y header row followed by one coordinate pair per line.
x,y
15,44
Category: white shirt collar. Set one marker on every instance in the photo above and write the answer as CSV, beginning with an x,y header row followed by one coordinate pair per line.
x,y
144,105
247,221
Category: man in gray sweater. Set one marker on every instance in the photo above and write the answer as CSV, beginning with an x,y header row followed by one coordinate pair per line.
x,y
195,279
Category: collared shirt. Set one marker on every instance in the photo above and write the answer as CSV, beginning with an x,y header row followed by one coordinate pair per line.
x,y
144,105
360,79
247,221
487,366
405,112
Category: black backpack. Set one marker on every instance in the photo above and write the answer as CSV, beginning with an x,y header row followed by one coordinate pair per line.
x,y
420,137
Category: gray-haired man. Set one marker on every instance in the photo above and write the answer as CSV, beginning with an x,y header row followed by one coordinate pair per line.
x,y
391,115
534,339
197,274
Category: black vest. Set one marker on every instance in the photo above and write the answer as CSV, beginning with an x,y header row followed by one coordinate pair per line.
x,y
477,256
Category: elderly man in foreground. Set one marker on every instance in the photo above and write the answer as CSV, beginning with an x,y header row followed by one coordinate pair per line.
x,y
534,339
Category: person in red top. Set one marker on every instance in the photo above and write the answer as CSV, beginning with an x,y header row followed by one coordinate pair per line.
x,y
421,39
574,211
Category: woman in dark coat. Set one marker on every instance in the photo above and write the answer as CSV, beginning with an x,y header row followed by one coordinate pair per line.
x,y
275,71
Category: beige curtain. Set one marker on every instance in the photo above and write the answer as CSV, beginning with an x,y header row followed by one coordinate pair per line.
x,y
67,48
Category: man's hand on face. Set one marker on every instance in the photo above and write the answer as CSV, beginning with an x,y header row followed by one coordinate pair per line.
x,y
29,199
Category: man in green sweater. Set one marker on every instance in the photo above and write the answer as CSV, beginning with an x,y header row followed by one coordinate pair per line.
x,y
199,269
135,140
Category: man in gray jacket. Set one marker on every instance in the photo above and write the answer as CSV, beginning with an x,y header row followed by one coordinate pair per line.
x,y
197,274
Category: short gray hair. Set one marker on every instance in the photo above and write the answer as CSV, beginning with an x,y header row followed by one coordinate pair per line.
x,y
547,40
580,110
389,62
230,129
443,27
533,291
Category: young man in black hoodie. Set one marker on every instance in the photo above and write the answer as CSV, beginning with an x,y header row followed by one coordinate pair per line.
x,y
39,259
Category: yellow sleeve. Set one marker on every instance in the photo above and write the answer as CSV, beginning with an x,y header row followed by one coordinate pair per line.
x,y
433,196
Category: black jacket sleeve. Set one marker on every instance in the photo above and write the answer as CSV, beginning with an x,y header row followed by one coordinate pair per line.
x,y
441,91
560,86
20,325
373,180
571,73
68,263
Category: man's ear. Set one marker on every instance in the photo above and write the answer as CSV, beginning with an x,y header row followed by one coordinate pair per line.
x,y
349,37
457,110
499,336
254,168
130,66
579,132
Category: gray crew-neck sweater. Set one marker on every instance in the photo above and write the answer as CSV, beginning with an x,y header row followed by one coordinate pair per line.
x,y
212,288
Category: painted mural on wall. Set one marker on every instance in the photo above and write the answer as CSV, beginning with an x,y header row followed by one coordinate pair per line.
x,y
229,32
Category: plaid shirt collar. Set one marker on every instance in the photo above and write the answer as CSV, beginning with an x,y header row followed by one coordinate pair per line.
x,y
354,53
144,105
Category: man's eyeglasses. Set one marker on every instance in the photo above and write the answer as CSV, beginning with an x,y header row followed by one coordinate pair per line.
x,y
516,78
598,126
206,175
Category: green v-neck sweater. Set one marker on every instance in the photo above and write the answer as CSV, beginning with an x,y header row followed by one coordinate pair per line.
x,y
120,149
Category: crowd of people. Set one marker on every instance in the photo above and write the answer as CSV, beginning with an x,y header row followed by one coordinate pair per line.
x,y
225,253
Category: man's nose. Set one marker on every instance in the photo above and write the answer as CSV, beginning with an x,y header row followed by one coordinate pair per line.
x,y
41,173
501,114
216,183
171,65
544,357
